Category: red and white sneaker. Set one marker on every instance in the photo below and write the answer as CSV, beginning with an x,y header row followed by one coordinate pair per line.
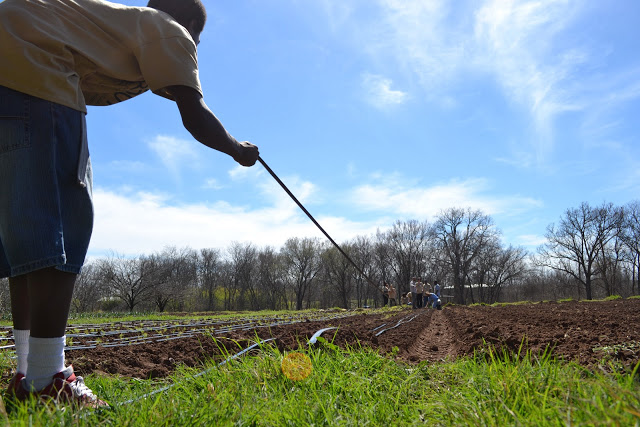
x,y
66,387
14,385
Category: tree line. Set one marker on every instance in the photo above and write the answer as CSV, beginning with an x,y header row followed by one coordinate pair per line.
x,y
591,252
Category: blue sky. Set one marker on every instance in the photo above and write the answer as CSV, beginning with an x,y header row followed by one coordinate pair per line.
x,y
373,111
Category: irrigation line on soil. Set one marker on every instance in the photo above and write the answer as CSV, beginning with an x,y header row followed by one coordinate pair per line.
x,y
163,389
315,336
284,187
311,341
400,322
135,340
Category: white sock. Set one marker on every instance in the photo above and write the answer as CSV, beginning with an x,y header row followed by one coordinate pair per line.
x,y
21,339
46,358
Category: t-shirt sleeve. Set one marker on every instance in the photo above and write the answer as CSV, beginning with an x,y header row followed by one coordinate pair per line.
x,y
170,61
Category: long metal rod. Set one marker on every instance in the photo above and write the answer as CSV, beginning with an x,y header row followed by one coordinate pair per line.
x,y
284,187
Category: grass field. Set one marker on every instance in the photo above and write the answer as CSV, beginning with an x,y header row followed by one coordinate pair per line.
x,y
357,386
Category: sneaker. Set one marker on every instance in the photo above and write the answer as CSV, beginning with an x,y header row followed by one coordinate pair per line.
x,y
66,387
14,385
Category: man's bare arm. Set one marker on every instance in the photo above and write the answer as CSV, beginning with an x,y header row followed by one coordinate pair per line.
x,y
205,127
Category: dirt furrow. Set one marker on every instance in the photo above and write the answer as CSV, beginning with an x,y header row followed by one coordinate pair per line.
x,y
436,342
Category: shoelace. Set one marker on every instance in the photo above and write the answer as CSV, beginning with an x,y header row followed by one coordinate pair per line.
x,y
80,390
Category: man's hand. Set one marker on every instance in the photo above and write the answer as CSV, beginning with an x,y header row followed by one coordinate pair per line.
x,y
247,153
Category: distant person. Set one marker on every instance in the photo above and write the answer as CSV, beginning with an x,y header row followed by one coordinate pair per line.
x,y
412,288
393,299
408,299
58,56
434,301
427,290
419,292
436,289
385,295
428,287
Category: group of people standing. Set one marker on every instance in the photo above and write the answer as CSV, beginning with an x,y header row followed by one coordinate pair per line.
x,y
421,294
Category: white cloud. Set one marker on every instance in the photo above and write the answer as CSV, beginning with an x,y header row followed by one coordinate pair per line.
x,y
175,153
132,223
515,42
135,223
534,50
212,184
401,198
127,165
379,93
530,240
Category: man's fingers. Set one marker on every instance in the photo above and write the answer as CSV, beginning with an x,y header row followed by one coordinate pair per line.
x,y
250,154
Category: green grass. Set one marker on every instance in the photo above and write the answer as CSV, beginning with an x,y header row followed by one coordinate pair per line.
x,y
360,387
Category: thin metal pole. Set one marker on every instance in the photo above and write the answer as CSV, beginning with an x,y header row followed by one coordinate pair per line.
x,y
284,187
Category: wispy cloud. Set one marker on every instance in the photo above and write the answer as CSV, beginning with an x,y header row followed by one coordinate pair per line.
x,y
515,42
128,165
212,184
174,153
530,240
535,51
133,223
395,196
378,91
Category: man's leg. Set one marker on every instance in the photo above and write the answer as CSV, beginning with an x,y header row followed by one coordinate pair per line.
x,y
50,292
21,324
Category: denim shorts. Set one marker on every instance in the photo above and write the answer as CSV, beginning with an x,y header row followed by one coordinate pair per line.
x,y
46,206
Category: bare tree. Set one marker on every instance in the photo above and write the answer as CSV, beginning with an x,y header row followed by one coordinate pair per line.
x,y
242,258
338,273
461,235
270,273
209,268
302,262
173,273
404,248
128,278
611,254
496,267
631,238
574,245
368,286
88,289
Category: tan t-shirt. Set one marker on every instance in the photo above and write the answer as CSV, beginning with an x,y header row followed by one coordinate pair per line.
x,y
92,52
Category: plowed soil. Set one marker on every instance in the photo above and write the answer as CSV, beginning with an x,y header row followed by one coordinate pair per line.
x,y
583,332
